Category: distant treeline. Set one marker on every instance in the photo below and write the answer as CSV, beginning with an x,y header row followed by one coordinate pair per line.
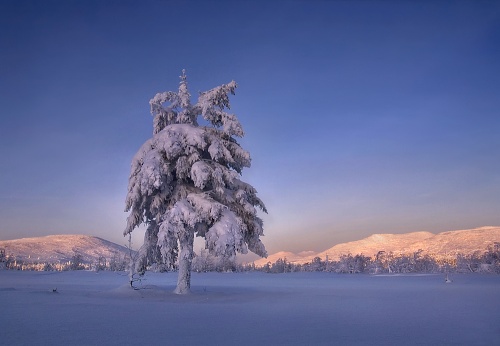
x,y
117,262
382,262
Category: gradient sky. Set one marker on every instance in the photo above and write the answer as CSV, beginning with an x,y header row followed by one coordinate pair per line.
x,y
361,117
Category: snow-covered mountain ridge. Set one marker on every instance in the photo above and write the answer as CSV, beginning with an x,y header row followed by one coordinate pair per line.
x,y
445,244
61,248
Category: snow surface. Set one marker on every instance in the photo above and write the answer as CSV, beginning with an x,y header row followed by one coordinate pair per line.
x,y
254,308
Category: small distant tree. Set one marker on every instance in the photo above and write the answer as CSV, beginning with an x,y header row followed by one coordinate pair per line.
x,y
378,265
469,263
77,262
101,263
317,265
3,259
204,262
266,268
226,264
278,266
185,182
118,262
490,260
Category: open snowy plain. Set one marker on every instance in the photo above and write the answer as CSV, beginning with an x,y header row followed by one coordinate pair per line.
x,y
92,308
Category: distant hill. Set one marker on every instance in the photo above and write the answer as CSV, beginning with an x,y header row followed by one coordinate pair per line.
x,y
445,244
61,248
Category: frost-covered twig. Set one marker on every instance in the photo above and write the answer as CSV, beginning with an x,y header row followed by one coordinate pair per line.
x,y
133,276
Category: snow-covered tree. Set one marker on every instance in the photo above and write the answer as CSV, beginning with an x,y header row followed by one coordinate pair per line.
x,y
185,182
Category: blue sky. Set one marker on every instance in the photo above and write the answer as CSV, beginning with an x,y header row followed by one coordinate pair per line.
x,y
361,117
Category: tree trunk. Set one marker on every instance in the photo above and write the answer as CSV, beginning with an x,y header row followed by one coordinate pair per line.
x,y
185,260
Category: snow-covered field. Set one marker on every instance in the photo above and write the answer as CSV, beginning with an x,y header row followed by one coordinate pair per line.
x,y
92,308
